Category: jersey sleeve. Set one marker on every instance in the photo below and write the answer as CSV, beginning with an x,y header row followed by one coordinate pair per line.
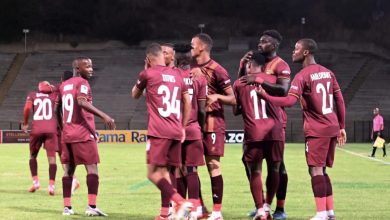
x,y
283,70
297,86
142,79
336,86
30,97
83,90
236,92
223,78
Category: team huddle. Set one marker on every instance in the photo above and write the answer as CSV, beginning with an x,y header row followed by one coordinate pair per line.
x,y
185,94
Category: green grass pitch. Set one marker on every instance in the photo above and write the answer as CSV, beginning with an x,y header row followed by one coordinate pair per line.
x,y
361,185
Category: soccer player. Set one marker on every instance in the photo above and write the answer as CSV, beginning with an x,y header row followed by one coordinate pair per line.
x,y
262,129
168,107
192,147
43,131
277,179
79,135
219,92
169,54
316,87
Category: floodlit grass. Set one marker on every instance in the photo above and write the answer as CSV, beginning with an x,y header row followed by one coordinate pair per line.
x,y
361,185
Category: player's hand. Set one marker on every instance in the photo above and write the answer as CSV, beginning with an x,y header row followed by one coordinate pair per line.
x,y
260,91
196,72
183,136
252,79
211,99
379,134
342,138
24,128
244,60
109,122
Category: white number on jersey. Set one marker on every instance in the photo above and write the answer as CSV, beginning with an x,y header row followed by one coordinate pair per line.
x,y
320,88
191,93
44,110
67,105
172,106
256,105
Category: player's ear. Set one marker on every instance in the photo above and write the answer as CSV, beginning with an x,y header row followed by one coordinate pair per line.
x,y
306,52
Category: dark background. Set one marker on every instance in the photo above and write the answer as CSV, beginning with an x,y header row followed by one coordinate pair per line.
x,y
131,21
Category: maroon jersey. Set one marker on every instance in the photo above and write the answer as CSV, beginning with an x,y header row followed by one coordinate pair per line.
x,y
261,119
44,119
197,91
279,68
78,124
164,88
218,81
315,86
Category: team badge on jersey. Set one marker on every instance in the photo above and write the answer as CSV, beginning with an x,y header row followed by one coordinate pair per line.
x,y
84,89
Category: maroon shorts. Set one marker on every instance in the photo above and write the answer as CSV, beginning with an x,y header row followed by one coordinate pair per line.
x,y
214,144
80,153
163,152
270,150
60,144
320,151
49,140
192,153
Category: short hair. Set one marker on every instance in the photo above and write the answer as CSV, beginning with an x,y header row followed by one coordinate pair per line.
x,y
182,54
67,75
309,44
376,109
258,58
206,39
153,49
78,59
167,45
274,34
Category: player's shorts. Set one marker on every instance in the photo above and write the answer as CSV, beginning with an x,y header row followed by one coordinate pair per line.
x,y
270,150
320,151
192,153
85,153
214,144
163,152
49,140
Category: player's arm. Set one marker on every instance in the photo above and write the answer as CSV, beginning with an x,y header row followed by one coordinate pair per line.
x,y
244,60
280,88
286,101
201,112
186,112
26,115
136,92
237,110
227,99
340,105
83,103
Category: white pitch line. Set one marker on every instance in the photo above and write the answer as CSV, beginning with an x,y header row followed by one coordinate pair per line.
x,y
365,157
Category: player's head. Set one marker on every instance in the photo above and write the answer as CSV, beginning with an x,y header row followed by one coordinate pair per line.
x,y
82,66
66,75
201,43
376,111
154,55
304,48
256,62
169,53
45,87
182,55
269,42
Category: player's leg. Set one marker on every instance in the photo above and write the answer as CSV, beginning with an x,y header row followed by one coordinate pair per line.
x,y
319,188
373,151
69,168
273,155
93,188
35,145
279,213
181,183
329,188
51,146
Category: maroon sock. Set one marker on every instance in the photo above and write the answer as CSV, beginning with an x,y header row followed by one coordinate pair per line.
x,y
272,184
181,186
257,189
33,167
217,189
282,189
165,200
318,185
52,171
166,189
329,190
200,193
173,179
92,184
193,185
67,186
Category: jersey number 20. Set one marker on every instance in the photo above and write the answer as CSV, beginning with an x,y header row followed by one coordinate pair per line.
x,y
44,110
